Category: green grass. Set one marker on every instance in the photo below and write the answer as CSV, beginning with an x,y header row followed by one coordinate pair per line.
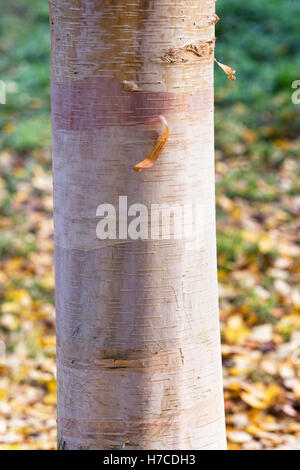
x,y
25,68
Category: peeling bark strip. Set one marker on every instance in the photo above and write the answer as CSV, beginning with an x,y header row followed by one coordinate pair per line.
x,y
159,146
230,72
138,346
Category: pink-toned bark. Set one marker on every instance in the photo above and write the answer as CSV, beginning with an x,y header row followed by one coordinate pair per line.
x,y
138,342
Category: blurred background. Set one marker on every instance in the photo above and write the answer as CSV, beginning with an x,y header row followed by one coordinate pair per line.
x,y
258,206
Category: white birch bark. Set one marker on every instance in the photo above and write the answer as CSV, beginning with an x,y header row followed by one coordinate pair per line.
x,y
138,345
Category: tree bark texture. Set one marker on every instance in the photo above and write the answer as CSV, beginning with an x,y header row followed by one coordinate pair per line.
x,y
138,347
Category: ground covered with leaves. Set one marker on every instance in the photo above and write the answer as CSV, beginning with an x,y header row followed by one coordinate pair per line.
x,y
258,207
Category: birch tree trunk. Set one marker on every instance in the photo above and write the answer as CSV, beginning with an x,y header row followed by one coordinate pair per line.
x,y
138,345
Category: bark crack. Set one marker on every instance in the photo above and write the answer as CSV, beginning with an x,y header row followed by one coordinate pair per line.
x,y
200,49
